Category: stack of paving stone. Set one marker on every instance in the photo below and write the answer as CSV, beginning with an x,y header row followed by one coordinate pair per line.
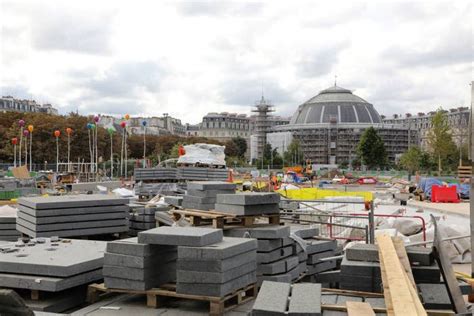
x,y
51,265
202,174
201,195
277,257
8,230
175,200
251,203
276,298
218,269
72,215
155,174
135,266
151,181
142,217
360,268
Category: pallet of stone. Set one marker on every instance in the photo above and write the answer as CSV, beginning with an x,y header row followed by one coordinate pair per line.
x,y
72,215
249,203
134,266
8,230
152,189
201,195
147,174
54,302
51,265
181,236
202,174
174,200
157,297
142,217
218,269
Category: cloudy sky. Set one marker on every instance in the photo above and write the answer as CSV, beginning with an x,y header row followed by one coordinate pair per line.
x,y
187,58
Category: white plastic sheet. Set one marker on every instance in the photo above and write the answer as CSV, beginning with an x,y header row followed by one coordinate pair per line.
x,y
204,154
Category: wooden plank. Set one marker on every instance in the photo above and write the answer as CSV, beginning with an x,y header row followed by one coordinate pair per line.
x,y
351,292
343,308
402,299
359,309
402,255
386,289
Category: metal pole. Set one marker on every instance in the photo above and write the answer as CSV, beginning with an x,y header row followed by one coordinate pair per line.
x,y
14,156
144,147
125,154
68,152
19,149
26,150
111,156
31,142
57,154
371,223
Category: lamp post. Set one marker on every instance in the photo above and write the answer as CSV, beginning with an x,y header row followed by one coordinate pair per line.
x,y
57,133
30,129
26,133
14,142
69,132
21,123
144,143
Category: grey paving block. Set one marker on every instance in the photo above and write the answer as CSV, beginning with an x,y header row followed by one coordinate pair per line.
x,y
58,302
215,277
314,246
143,217
198,206
228,247
127,284
131,247
275,255
142,225
73,232
248,209
7,220
9,232
272,299
209,193
316,257
73,211
328,299
262,232
291,263
266,245
278,267
48,283
342,299
368,252
435,296
71,225
306,232
217,290
71,218
9,226
174,200
305,300
113,259
136,274
66,201
426,274
375,302
63,260
249,198
320,267
181,236
210,185
217,265
302,256
327,277
198,200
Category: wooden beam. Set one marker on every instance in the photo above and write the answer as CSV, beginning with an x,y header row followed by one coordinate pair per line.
x,y
402,255
386,289
359,309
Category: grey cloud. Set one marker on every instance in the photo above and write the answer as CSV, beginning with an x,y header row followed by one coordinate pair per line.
x,y
320,63
112,106
217,8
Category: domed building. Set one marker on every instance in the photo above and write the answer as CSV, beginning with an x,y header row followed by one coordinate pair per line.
x,y
330,124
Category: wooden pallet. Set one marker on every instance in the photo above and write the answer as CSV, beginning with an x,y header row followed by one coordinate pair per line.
x,y
217,305
221,219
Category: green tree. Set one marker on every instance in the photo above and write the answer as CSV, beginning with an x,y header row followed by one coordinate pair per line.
x,y
411,159
371,149
241,145
293,155
231,149
440,139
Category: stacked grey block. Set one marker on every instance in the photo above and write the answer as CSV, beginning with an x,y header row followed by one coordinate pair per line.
x,y
154,174
72,215
276,298
8,230
202,174
218,269
174,200
152,181
277,258
251,203
360,268
142,217
133,266
51,266
201,195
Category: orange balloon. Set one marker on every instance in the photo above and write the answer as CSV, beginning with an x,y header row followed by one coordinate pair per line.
x,y
57,133
69,130
30,128
127,116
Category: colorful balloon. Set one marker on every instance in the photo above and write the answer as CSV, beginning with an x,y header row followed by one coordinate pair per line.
x,y
93,126
89,126
69,130
57,133
110,130
123,124
21,123
31,128
26,133
96,118
14,141
127,116
144,123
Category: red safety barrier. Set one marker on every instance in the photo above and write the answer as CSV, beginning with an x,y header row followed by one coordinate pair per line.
x,y
443,194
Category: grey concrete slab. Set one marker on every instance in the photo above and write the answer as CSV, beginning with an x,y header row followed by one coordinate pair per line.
x,y
275,255
228,247
320,267
127,284
248,209
113,259
181,236
10,226
328,299
342,299
198,206
368,252
217,265
9,232
266,245
48,283
305,300
71,225
272,299
136,274
260,232
284,278
435,296
70,218
306,232
302,256
210,185
185,276
198,200
217,290
66,201
278,267
73,211
174,200
63,260
209,193
143,217
249,198
58,302
375,302
131,247
142,225
327,277
73,232
316,257
314,246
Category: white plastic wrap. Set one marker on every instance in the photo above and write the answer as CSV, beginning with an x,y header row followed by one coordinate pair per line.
x,y
204,154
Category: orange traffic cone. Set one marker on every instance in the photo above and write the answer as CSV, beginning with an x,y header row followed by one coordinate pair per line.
x,y
230,178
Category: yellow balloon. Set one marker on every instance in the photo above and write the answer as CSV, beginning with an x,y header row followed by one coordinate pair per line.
x,y
127,116
30,128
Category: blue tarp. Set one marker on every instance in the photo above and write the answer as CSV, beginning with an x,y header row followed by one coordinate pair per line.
x,y
426,184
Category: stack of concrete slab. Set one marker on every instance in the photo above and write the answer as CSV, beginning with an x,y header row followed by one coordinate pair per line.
x,y
277,298
251,203
174,200
134,266
72,215
360,268
201,195
154,188
277,257
142,217
8,230
202,174
218,269
51,265
155,174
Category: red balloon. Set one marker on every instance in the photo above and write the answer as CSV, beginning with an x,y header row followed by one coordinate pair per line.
x,y
57,133
123,124
14,140
69,130
26,132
